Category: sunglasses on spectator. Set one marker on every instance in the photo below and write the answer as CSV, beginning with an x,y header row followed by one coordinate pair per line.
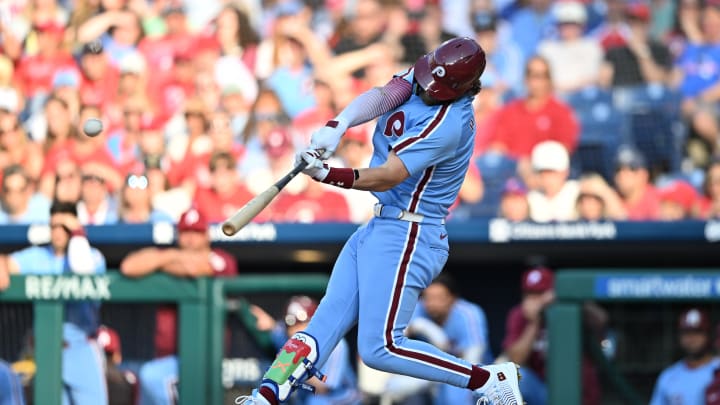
x,y
91,177
67,176
273,117
137,182
15,190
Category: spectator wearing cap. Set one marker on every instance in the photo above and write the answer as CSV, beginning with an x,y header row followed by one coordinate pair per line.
x,y
640,59
193,257
632,181
503,70
697,73
678,200
66,86
597,201
123,143
685,381
526,342
21,205
340,385
227,192
531,24
97,206
574,59
99,79
709,203
539,116
118,32
135,205
514,204
34,73
555,196
122,385
267,115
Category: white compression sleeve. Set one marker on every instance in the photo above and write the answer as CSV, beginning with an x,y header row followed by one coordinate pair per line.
x,y
80,255
375,102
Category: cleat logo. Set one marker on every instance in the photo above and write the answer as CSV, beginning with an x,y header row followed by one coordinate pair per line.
x,y
282,366
501,376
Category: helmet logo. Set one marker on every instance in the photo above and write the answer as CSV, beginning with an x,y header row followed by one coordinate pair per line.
x,y
438,71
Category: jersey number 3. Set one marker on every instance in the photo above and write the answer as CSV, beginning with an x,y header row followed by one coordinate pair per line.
x,y
395,125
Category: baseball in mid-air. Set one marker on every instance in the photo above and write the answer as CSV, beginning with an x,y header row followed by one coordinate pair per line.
x,y
93,127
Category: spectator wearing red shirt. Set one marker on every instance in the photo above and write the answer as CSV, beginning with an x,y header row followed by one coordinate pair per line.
x,y
193,257
83,150
526,340
99,83
523,123
34,74
188,152
632,180
227,192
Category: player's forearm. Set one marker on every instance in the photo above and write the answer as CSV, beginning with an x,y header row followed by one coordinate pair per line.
x,y
189,264
520,350
375,102
4,273
144,262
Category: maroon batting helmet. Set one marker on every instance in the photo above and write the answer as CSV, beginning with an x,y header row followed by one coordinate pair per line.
x,y
452,69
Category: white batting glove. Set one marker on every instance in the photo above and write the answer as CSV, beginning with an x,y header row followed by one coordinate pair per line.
x,y
315,168
328,137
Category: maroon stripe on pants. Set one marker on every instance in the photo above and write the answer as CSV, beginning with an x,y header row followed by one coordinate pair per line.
x,y
395,306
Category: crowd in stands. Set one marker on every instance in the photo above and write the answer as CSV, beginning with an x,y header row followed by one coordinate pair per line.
x,y
204,104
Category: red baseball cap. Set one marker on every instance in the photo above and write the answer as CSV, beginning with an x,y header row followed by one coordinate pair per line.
x,y
108,339
278,142
300,309
679,192
694,319
538,280
50,27
193,221
639,11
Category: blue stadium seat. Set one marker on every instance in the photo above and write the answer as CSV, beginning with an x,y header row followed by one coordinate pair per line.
x,y
602,126
654,124
495,169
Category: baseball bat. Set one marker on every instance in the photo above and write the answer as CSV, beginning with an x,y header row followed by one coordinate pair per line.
x,y
244,215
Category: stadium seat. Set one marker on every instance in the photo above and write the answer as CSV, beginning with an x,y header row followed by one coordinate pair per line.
x,y
654,124
602,126
495,169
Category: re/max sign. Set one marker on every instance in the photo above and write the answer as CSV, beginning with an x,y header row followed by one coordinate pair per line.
x,y
67,288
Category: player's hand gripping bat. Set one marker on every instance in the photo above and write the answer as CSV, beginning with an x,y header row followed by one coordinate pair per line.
x,y
244,215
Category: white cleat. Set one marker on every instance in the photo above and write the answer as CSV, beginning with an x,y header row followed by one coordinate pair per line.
x,y
502,388
254,399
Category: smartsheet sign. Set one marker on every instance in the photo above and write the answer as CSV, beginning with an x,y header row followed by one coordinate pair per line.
x,y
657,286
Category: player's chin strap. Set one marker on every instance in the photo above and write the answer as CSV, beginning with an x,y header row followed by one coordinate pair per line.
x,y
294,364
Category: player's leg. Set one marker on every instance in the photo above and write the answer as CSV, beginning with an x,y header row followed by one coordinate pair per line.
x,y
11,390
335,315
394,266
158,381
83,372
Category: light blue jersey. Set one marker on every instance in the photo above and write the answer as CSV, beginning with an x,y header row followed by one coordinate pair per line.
x,y
435,144
680,385
466,329
42,260
83,371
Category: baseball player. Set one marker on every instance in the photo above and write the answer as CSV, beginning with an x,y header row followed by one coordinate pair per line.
x,y
685,382
340,386
422,143
465,327
193,257
83,374
11,389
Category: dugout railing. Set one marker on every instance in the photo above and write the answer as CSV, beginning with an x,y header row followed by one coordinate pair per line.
x,y
202,310
573,287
